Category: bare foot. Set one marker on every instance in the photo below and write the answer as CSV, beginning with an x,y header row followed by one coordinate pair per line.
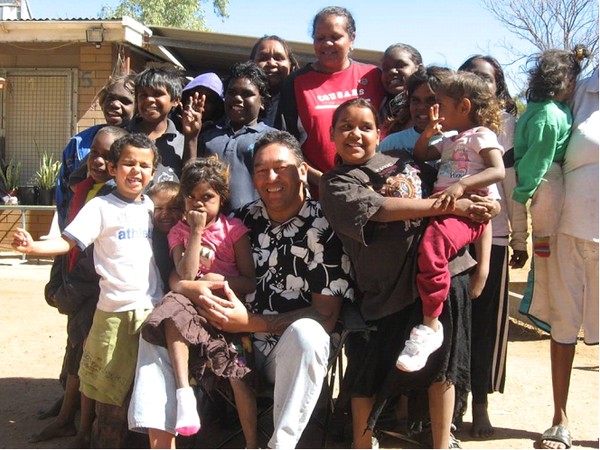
x,y
79,441
54,430
51,411
482,427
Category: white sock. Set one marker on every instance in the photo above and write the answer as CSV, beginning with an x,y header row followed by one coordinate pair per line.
x,y
188,421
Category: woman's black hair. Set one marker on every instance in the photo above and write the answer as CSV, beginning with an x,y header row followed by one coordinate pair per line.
x,y
337,11
294,65
501,87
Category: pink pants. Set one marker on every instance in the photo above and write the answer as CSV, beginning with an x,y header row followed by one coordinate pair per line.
x,y
443,238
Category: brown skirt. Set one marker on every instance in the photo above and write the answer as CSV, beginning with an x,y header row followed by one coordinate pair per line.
x,y
227,355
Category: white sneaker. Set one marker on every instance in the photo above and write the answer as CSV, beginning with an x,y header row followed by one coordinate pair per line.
x,y
422,343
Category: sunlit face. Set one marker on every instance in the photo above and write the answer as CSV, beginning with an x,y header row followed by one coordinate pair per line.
x,y
396,67
204,198
272,58
243,103
332,43
118,106
279,181
420,101
154,103
355,135
167,211
486,71
133,171
449,110
97,167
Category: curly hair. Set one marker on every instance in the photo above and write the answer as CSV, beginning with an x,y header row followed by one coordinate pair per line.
x,y
501,87
137,140
552,72
209,170
486,107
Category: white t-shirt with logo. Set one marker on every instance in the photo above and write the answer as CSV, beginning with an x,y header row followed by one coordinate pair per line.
x,y
121,231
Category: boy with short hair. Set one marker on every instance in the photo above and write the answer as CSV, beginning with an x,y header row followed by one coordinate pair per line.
x,y
246,95
120,227
157,92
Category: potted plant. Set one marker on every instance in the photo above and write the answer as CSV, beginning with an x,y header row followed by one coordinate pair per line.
x,y
46,177
9,175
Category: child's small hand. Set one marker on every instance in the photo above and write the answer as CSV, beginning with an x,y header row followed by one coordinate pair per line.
x,y
22,241
446,199
196,218
191,119
435,121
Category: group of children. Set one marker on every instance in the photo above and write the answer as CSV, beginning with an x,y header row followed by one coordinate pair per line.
x,y
146,206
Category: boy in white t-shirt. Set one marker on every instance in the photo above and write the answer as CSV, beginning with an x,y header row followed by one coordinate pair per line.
x,y
120,227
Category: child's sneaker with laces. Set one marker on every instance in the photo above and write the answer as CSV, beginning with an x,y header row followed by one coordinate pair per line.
x,y
423,342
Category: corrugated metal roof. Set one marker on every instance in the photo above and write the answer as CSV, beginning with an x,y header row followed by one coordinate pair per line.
x,y
197,51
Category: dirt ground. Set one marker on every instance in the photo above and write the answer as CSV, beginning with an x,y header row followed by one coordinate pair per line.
x,y
33,338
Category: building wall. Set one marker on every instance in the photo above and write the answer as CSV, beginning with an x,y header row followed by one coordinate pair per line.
x,y
94,65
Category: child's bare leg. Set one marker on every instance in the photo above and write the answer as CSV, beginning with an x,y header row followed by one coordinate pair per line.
x,y
64,424
431,322
188,420
441,408
86,420
483,252
361,408
245,402
161,439
179,353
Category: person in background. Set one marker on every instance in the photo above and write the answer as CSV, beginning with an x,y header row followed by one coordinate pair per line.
x,y
310,95
210,86
489,314
157,92
399,62
246,95
116,100
168,210
565,291
541,138
420,97
274,55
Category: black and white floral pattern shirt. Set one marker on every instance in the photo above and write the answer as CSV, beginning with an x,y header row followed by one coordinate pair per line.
x,y
293,260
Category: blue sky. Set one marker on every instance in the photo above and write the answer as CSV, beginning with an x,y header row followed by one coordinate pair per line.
x,y
445,32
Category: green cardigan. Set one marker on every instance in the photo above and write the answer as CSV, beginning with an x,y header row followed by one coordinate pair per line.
x,y
541,138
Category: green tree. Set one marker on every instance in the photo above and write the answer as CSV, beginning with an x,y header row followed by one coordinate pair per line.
x,y
186,14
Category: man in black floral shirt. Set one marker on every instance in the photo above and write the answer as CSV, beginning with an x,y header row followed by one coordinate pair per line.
x,y
303,275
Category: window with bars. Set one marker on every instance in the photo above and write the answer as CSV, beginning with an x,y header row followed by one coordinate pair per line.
x,y
37,116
